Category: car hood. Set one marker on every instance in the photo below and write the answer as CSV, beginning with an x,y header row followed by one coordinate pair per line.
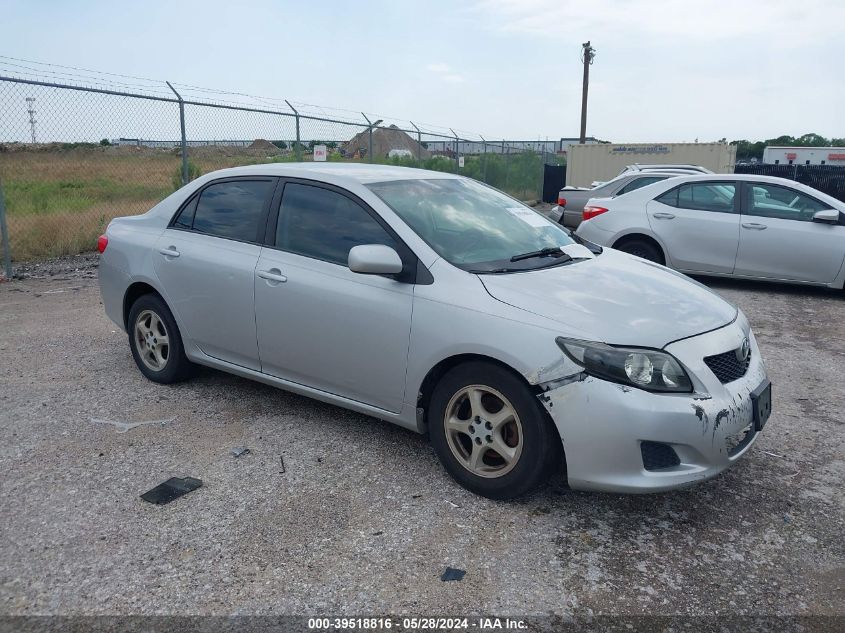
x,y
615,298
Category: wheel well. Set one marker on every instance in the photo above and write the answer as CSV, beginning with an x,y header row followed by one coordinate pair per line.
x,y
639,237
439,370
136,290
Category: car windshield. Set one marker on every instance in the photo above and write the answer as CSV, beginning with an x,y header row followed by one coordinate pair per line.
x,y
473,226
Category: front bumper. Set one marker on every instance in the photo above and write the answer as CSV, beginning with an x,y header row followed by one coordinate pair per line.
x,y
603,424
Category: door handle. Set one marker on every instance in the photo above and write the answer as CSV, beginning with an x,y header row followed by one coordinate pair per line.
x,y
170,251
754,225
274,274
661,215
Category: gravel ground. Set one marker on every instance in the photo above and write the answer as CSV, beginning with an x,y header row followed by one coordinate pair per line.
x,y
362,519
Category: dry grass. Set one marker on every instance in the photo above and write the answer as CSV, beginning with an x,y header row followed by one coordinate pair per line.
x,y
60,199
58,202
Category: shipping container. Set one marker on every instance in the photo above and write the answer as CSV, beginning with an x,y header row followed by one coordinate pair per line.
x,y
591,163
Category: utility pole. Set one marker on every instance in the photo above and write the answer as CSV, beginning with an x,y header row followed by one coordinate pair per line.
x,y
588,53
30,107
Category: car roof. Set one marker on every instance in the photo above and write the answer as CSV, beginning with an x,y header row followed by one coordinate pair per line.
x,y
774,180
649,166
358,172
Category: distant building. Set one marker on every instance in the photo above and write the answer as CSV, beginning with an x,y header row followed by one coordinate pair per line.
x,y
140,142
495,146
804,155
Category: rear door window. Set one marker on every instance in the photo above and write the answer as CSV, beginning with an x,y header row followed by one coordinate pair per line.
x,y
185,219
702,196
707,196
232,209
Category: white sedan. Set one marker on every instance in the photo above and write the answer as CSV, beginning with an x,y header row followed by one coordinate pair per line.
x,y
737,225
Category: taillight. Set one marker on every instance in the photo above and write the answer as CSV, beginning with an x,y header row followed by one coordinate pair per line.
x,y
561,202
591,212
102,242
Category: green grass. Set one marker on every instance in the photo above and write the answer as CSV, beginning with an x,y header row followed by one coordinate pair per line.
x,y
29,197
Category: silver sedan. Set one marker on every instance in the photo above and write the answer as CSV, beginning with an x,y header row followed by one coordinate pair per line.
x,y
449,308
730,225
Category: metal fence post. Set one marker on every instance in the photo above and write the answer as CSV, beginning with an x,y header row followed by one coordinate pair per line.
x,y
4,229
542,174
297,150
370,141
483,158
184,138
507,164
419,144
456,149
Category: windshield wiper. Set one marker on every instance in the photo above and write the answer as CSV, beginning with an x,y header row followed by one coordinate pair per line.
x,y
543,252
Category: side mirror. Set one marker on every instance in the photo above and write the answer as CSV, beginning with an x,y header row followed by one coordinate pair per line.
x,y
829,216
374,259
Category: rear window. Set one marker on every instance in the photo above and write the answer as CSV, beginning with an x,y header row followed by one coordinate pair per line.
x,y
702,196
231,209
640,182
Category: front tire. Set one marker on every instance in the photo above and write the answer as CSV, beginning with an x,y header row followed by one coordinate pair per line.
x,y
490,432
155,341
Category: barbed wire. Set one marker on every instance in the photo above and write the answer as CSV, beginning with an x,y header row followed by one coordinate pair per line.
x,y
87,77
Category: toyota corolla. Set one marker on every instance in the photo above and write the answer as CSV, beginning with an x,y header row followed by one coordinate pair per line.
x,y
445,306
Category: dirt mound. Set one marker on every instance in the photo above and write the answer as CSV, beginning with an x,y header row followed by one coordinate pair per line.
x,y
263,145
384,140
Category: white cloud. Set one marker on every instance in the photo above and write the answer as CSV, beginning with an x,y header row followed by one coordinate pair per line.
x,y
439,68
707,20
446,73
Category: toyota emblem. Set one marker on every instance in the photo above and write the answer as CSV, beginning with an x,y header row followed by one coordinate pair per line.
x,y
744,350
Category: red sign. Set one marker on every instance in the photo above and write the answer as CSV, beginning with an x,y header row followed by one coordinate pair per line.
x,y
791,156
836,156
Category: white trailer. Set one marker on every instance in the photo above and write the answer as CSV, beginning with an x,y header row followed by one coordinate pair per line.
x,y
780,155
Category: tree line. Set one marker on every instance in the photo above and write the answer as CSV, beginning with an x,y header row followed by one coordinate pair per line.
x,y
746,150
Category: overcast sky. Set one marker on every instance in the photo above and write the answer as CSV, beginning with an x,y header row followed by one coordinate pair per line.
x,y
665,70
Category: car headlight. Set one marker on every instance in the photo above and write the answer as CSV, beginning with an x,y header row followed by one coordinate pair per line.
x,y
647,369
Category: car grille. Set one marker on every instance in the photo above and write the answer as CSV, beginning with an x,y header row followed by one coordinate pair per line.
x,y
728,367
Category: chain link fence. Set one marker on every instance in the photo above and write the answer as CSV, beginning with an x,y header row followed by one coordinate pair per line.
x,y
73,157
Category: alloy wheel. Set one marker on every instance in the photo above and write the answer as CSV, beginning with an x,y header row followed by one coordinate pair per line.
x,y
152,340
483,431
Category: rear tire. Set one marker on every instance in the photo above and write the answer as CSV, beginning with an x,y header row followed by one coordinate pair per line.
x,y
491,433
643,249
155,341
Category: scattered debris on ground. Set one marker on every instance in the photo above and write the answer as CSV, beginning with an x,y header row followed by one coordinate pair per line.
x,y
123,427
171,489
58,268
453,574
239,450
